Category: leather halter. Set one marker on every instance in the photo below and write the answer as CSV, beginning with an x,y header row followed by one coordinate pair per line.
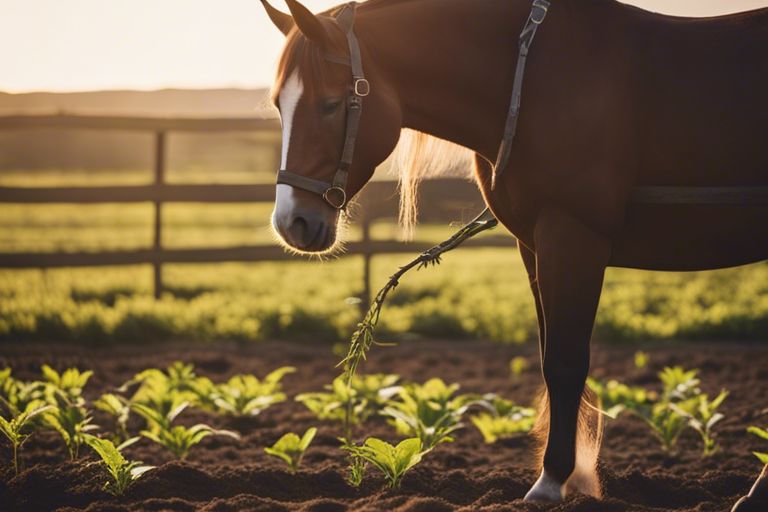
x,y
334,192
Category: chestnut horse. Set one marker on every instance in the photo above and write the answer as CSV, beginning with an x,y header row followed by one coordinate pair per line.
x,y
615,98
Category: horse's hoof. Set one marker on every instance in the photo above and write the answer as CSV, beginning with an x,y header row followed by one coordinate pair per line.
x,y
546,489
750,504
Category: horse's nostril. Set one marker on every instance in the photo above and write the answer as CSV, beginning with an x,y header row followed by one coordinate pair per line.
x,y
297,231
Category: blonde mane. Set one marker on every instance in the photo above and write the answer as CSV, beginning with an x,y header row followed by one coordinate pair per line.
x,y
421,156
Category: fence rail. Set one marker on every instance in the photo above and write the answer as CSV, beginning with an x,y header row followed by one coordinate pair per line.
x,y
441,201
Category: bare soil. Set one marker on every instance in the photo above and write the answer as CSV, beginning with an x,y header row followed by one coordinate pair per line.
x,y
226,475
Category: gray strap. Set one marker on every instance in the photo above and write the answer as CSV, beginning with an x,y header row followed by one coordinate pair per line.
x,y
360,89
535,18
296,180
335,191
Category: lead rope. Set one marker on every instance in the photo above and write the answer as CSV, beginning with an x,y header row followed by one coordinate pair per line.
x,y
363,338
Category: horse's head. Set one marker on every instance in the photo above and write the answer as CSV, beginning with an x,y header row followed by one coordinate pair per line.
x,y
333,103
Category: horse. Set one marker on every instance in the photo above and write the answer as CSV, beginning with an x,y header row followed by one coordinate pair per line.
x,y
616,98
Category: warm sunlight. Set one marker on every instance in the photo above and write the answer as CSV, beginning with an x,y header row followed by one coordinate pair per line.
x,y
145,44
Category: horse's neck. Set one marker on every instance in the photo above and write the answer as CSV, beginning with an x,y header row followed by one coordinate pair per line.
x,y
450,62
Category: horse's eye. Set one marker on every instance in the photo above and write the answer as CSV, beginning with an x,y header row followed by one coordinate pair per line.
x,y
330,106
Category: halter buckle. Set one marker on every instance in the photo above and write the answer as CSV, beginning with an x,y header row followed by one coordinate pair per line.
x,y
539,11
336,197
362,87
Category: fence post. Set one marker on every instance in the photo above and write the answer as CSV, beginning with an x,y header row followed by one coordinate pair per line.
x,y
365,296
157,245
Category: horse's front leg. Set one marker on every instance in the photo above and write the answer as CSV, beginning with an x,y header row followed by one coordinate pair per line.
x,y
570,264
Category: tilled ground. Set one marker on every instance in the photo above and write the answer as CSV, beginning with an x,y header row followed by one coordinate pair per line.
x,y
226,475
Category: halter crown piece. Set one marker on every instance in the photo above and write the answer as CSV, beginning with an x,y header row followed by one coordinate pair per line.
x,y
334,192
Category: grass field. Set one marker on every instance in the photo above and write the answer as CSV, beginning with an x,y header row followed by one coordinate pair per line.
x,y
475,293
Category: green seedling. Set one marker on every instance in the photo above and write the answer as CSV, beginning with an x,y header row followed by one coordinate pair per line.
x,y
762,434
518,365
71,421
18,428
429,411
164,391
70,382
702,416
641,359
176,438
393,461
119,409
505,420
157,393
667,425
369,394
290,448
16,395
246,395
123,472
679,384
615,398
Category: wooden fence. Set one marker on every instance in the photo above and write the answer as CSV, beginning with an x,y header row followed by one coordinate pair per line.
x,y
441,201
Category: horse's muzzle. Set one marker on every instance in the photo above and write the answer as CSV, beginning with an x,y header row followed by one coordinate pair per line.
x,y
304,223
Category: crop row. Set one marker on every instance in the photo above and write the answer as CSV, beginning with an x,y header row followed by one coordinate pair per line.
x,y
423,415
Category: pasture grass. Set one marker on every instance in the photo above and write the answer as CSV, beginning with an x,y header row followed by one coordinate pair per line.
x,y
474,293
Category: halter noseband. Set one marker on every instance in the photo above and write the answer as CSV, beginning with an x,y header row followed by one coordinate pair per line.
x,y
334,192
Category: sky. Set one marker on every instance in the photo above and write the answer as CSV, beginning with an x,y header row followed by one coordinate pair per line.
x,y
81,45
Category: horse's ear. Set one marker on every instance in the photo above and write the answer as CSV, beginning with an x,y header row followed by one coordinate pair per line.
x,y
281,20
308,23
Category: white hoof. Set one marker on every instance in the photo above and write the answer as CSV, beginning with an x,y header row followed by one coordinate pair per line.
x,y
546,488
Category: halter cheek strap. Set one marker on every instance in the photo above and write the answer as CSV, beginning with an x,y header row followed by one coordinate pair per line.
x,y
334,192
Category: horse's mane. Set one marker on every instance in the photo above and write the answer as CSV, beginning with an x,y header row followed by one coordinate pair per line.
x,y
419,156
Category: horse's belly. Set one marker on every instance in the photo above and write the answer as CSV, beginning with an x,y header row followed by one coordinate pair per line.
x,y
672,237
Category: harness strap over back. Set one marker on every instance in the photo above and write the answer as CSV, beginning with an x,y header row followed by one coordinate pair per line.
x,y
535,18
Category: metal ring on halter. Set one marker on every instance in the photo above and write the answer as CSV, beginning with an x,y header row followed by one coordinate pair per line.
x,y
336,197
362,88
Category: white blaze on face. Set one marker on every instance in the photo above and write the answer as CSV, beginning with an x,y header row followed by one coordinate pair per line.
x,y
289,100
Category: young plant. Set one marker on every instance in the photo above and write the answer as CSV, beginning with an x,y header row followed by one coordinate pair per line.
x,y
762,434
641,359
702,416
177,438
393,461
16,395
505,420
290,448
667,425
246,395
615,397
119,409
429,411
164,391
519,365
679,384
70,382
123,472
368,396
71,421
18,429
